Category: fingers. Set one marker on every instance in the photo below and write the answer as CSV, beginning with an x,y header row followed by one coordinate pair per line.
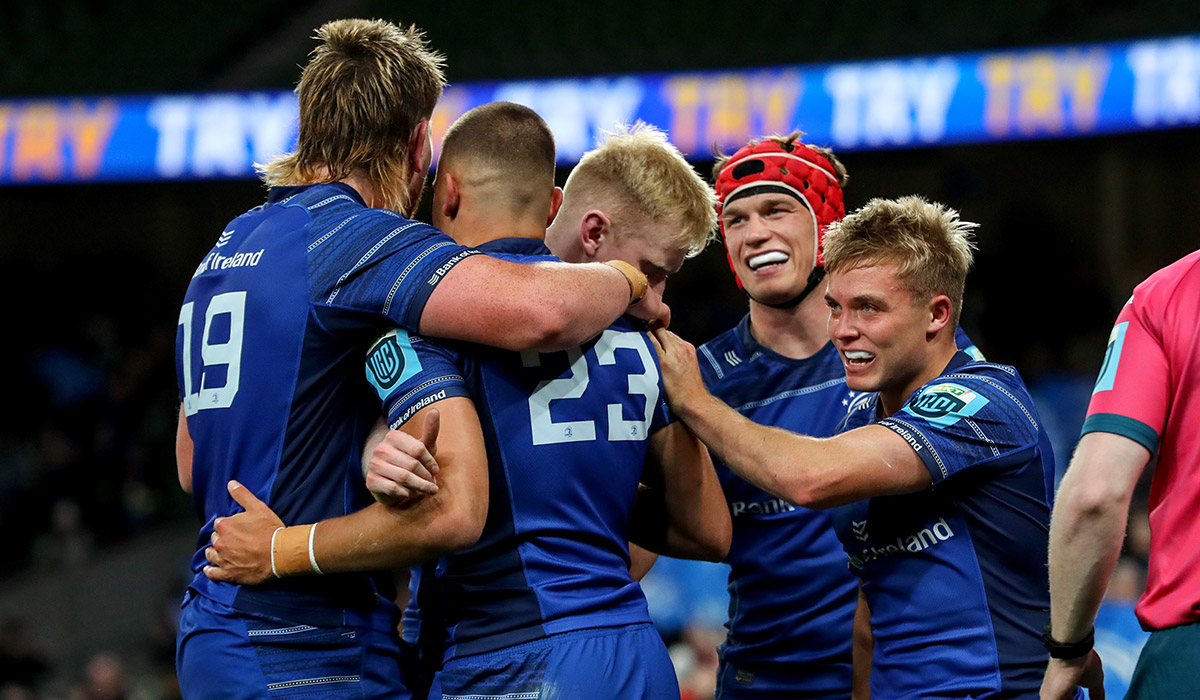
x,y
243,496
407,452
408,477
386,491
429,436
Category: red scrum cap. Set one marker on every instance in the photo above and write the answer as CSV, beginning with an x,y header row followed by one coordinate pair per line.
x,y
794,169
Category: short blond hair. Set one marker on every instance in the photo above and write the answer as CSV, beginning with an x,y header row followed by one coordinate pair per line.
x,y
930,246
363,93
639,173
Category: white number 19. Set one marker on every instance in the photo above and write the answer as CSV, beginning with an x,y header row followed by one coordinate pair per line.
x,y
228,353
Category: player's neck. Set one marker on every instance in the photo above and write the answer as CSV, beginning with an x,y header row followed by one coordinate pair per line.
x,y
798,332
935,364
471,230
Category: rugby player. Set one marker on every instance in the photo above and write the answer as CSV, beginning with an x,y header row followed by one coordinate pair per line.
x,y
271,337
942,474
547,584
792,597
1142,405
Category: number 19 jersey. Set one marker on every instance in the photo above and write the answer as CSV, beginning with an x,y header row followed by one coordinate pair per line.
x,y
270,342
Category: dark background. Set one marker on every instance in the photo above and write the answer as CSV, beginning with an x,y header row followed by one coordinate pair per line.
x,y
95,273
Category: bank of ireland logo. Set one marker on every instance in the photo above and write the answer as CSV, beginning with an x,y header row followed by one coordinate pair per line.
x,y
390,361
860,529
946,404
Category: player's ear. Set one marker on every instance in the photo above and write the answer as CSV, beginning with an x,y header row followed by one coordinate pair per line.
x,y
420,149
592,230
452,197
556,201
940,311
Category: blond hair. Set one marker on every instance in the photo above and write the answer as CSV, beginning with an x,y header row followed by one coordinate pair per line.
x,y
637,172
368,86
930,246
788,143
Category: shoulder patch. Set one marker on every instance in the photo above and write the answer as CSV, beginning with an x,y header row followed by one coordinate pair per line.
x,y
1112,358
945,404
390,361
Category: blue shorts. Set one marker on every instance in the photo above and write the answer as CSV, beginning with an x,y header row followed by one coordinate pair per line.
x,y
625,663
830,681
224,653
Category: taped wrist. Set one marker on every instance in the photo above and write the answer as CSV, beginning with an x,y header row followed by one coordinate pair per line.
x,y
638,284
292,551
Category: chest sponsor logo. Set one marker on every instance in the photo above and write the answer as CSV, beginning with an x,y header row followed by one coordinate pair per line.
x,y
390,361
919,541
750,509
946,404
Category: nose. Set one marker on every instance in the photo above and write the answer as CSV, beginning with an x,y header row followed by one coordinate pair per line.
x,y
757,230
841,326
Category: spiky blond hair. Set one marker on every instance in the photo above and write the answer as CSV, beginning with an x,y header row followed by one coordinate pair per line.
x,y
930,246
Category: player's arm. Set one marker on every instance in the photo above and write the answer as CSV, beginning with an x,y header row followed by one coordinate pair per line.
x,y
684,513
540,306
862,649
397,466
1086,532
812,472
183,452
379,536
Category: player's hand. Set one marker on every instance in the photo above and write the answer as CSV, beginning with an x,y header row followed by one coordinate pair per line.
x,y
651,309
240,549
680,369
1064,675
402,467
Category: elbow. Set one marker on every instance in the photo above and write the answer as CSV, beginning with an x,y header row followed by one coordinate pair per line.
x,y
1092,499
717,547
550,328
459,529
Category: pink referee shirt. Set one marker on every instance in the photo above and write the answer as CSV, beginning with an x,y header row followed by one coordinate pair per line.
x,y
1149,391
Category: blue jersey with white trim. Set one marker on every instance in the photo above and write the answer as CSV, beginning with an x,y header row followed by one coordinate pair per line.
x,y
566,436
270,343
792,598
955,575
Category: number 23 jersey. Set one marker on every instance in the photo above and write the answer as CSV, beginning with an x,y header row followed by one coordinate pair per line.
x,y
566,436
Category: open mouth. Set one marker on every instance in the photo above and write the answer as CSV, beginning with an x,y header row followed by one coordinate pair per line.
x,y
769,259
857,358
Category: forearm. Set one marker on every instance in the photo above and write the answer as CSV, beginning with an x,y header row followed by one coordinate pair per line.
x,y
1087,528
381,537
698,522
779,462
543,306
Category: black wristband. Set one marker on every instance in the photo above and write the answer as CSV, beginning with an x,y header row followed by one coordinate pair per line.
x,y
1074,650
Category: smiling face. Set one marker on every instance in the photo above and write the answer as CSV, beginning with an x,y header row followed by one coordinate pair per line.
x,y
882,333
770,239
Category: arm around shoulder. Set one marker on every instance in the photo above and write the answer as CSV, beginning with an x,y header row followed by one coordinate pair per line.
x,y
540,306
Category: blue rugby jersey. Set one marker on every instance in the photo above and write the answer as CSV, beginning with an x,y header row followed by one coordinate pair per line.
x,y
566,436
792,598
270,343
955,575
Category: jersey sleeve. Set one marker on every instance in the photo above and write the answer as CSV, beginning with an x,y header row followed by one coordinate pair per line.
x,y
384,265
1133,391
409,373
960,423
